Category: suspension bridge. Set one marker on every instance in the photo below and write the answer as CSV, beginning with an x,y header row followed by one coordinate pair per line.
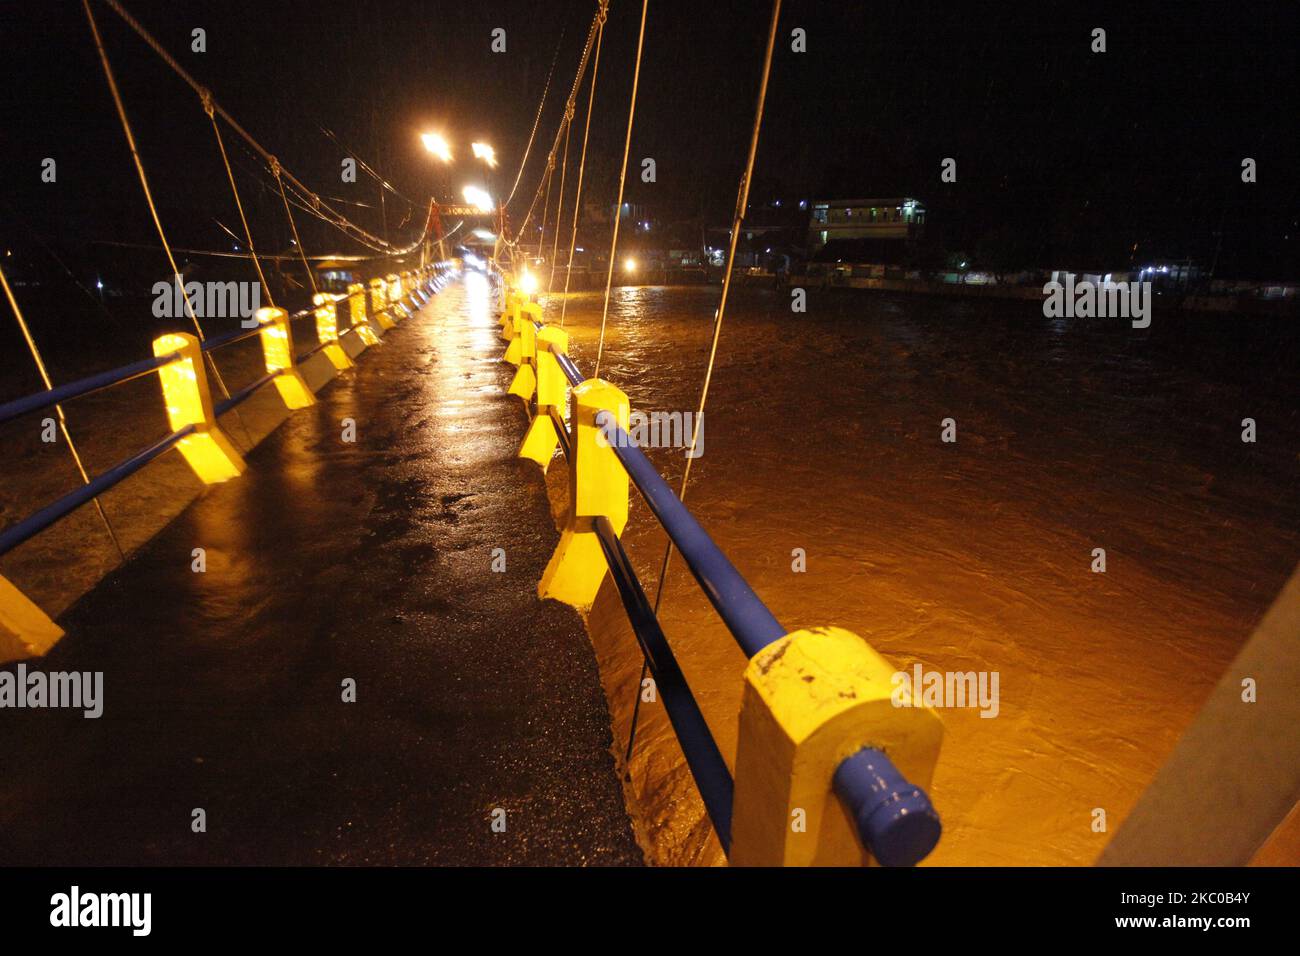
x,y
379,656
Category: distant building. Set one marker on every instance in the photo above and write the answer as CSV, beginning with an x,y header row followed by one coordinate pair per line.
x,y
901,218
335,276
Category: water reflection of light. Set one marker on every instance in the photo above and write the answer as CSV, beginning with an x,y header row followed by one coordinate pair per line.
x,y
636,301
479,293
471,312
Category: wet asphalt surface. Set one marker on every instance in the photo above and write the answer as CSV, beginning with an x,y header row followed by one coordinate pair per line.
x,y
330,561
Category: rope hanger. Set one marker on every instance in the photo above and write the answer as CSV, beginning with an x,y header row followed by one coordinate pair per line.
x,y
206,98
153,209
596,23
582,163
559,204
742,204
58,409
622,179
322,209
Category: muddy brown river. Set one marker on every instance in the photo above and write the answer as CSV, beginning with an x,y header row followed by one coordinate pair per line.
x,y
823,433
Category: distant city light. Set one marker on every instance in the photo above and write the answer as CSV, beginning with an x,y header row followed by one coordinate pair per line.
x,y
435,144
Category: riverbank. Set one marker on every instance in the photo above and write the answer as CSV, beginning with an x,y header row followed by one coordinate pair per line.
x,y
1164,300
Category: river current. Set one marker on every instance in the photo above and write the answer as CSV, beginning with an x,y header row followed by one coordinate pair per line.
x,y
824,433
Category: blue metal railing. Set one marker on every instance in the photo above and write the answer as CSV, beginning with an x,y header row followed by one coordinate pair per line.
x,y
701,751
33,525
744,613
243,394
895,820
83,386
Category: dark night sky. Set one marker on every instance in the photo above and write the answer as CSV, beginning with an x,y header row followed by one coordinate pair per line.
x,y
1078,154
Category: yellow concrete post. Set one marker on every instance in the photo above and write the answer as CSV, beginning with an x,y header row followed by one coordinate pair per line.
x,y
519,316
327,330
277,349
379,304
552,393
207,451
396,308
525,380
25,630
514,301
357,312
598,486
812,699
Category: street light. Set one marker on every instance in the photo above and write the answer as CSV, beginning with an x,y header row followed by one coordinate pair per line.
x,y
486,153
478,198
436,144
629,264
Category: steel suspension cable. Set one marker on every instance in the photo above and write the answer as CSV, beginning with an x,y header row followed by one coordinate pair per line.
x,y
58,409
311,276
148,196
546,206
341,222
622,178
559,203
230,174
597,21
555,58
742,203
582,164
367,168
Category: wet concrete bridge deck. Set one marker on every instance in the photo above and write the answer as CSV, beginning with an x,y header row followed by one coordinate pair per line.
x,y
327,561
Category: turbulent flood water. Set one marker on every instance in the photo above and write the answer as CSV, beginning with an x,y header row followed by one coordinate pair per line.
x,y
823,433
